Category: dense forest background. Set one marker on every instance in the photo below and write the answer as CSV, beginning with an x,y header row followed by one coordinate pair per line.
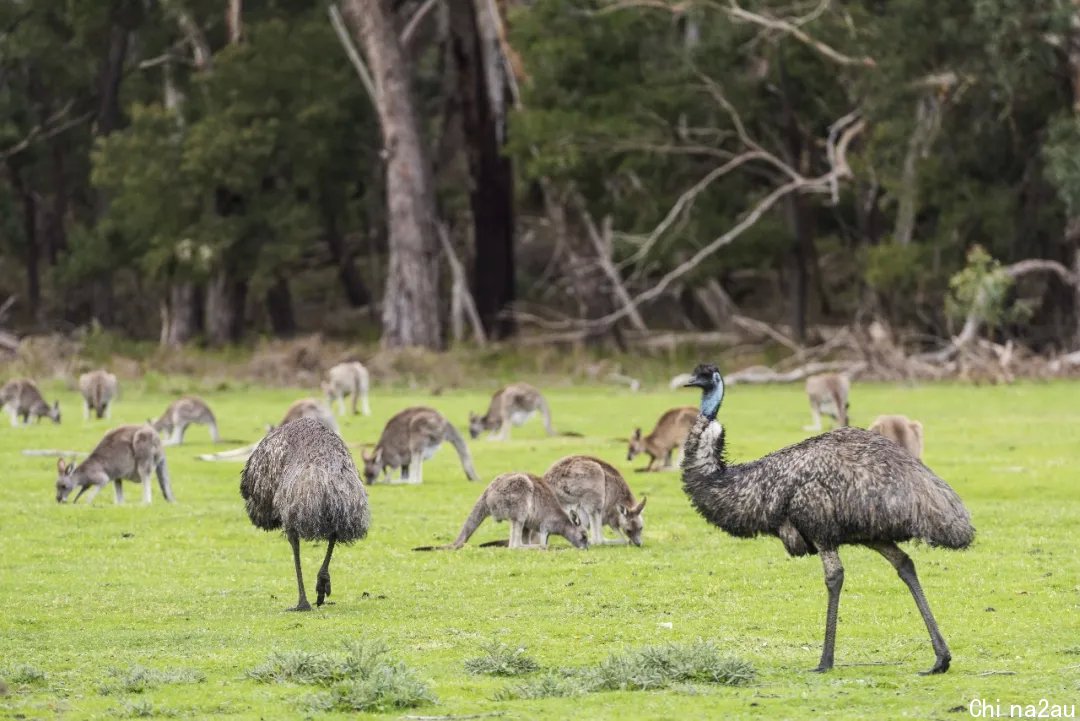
x,y
431,171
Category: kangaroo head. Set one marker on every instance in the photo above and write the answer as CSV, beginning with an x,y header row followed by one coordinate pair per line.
x,y
64,480
476,425
631,524
636,446
576,534
372,464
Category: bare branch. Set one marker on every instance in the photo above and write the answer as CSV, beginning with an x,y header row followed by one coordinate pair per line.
x,y
740,14
354,55
43,131
414,22
603,256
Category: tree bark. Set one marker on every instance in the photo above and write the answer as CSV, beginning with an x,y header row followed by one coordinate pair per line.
x,y
224,313
234,23
31,229
351,282
279,307
481,89
178,314
410,313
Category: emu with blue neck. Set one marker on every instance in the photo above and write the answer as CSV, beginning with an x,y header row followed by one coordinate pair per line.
x,y
848,486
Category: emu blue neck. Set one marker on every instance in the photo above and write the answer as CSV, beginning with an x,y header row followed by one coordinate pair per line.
x,y
711,398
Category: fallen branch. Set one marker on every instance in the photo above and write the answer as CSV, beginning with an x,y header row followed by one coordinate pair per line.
x,y
52,452
235,454
763,374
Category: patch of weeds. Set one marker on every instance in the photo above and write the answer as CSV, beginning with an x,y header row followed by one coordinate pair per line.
x,y
142,708
1072,651
23,675
648,668
500,659
550,685
138,679
661,666
364,678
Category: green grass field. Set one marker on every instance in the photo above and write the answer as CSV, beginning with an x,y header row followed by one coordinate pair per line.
x,y
91,594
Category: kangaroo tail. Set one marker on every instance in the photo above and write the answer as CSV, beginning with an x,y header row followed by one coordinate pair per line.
x,y
458,442
97,393
546,413
476,517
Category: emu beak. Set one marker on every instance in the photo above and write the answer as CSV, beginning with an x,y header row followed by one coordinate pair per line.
x,y
695,382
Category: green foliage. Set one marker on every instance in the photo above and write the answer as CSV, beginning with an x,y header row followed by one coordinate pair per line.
x,y
894,268
143,708
984,288
1062,155
499,659
23,674
138,679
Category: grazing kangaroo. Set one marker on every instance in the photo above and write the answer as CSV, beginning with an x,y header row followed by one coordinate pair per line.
x,y
903,430
828,394
347,379
510,406
98,389
670,433
23,399
529,503
126,453
597,492
410,438
182,413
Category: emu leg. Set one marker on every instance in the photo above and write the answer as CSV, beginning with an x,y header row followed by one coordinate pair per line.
x,y
322,586
834,581
905,568
302,602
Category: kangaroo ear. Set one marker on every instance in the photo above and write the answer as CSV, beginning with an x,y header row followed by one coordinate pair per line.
x,y
636,510
622,510
574,517
61,466
637,434
56,405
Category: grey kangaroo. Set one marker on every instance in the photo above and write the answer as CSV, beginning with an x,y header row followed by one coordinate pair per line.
x,y
410,438
598,493
529,503
902,430
828,393
348,379
98,389
180,414
23,400
510,406
129,453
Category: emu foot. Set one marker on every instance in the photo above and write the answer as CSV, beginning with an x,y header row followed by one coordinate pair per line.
x,y
823,667
302,606
941,665
322,588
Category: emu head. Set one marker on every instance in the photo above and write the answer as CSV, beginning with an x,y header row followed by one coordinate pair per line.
x,y
64,480
476,425
707,377
636,446
631,524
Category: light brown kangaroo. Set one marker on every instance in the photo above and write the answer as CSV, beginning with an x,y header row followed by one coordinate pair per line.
x,y
411,437
670,433
903,430
180,414
598,493
129,453
98,389
348,379
828,393
510,406
22,398
529,503
309,408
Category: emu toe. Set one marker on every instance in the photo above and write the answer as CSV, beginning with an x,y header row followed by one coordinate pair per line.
x,y
821,668
302,606
322,588
941,665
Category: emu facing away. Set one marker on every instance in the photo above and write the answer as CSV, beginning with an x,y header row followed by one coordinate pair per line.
x,y
301,479
848,486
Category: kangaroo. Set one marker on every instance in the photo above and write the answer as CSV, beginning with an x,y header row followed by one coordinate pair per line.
x,y
182,413
598,493
126,453
828,394
98,389
308,408
529,503
670,433
410,438
903,430
510,406
347,379
23,399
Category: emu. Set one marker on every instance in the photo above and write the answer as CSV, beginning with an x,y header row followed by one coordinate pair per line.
x,y
301,479
847,486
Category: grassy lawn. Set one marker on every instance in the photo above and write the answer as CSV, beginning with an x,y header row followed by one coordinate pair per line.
x,y
91,595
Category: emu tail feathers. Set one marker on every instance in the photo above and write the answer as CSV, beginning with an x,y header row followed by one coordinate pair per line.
x,y
458,442
479,512
942,520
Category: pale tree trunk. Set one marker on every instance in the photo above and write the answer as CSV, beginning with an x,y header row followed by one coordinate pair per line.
x,y
410,312
178,315
234,24
224,312
1072,224
927,123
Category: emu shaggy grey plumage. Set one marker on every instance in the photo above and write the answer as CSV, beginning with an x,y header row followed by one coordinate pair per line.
x,y
848,486
302,479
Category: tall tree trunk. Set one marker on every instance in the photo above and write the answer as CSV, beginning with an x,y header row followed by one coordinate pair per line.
x,y
351,282
178,314
279,307
1072,224
224,312
481,89
234,22
410,312
31,228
